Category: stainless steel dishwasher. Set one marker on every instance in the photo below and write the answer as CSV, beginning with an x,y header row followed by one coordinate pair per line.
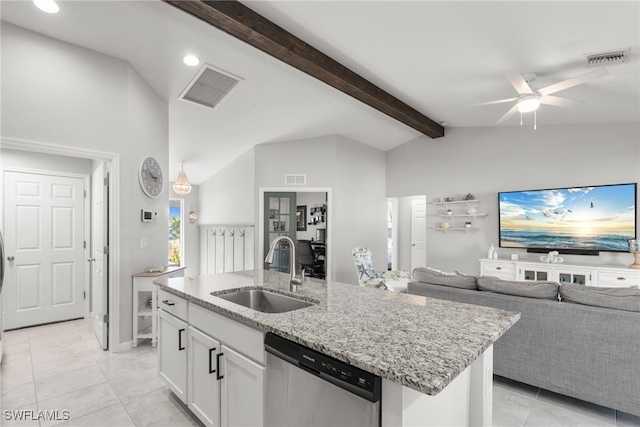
x,y
307,388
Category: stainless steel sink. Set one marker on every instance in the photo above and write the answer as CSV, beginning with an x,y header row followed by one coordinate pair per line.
x,y
264,301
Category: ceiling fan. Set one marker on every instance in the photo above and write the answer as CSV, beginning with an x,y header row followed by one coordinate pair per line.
x,y
529,98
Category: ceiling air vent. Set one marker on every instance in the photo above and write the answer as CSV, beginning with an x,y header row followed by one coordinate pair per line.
x,y
209,87
295,179
608,58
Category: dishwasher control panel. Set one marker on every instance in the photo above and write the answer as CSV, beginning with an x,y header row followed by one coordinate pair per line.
x,y
348,377
336,368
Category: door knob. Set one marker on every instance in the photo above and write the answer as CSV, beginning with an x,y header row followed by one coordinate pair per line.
x,y
10,258
91,259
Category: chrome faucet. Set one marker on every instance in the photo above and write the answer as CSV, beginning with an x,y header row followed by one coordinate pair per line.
x,y
293,281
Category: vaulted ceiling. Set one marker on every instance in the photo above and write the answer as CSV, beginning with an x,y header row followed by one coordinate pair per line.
x,y
435,56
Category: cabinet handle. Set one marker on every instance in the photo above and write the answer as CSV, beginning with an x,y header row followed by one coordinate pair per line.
x,y
622,278
218,376
168,303
180,347
498,268
211,370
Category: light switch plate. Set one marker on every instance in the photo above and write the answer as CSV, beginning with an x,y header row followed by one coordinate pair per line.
x,y
144,242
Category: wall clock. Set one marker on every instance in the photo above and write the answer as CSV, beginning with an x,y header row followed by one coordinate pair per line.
x,y
150,177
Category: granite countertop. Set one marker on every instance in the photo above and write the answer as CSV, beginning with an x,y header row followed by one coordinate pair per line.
x,y
422,343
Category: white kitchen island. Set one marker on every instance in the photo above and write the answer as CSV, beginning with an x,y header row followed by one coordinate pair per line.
x,y
434,356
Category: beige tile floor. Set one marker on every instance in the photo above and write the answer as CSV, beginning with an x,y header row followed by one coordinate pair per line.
x,y
60,367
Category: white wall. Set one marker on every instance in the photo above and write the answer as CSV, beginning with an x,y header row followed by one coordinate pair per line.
x,y
227,198
485,161
310,200
360,207
57,93
45,162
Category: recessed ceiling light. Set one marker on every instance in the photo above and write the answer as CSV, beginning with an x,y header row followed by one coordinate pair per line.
x,y
191,60
48,6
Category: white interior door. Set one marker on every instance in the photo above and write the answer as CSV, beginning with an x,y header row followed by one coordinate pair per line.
x,y
44,233
98,259
418,233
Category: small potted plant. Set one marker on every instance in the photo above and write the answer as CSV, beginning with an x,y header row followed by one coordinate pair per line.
x,y
467,224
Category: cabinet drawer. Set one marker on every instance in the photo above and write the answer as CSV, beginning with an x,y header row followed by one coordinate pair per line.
x,y
622,279
172,304
499,270
244,339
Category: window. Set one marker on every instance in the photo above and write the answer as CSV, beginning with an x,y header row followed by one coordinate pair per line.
x,y
176,243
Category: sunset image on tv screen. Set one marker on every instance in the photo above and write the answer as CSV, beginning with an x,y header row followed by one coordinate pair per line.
x,y
591,218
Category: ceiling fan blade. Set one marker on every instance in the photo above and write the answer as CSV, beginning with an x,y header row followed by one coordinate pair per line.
x,y
519,84
575,81
500,101
508,114
560,102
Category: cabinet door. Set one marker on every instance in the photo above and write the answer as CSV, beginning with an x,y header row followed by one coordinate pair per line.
x,y
204,386
576,277
535,273
172,353
242,390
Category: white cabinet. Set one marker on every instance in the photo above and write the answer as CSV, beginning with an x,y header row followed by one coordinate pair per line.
x,y
212,363
172,354
501,270
242,390
145,303
619,278
588,275
204,377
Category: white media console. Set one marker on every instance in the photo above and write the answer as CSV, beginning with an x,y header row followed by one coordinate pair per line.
x,y
588,275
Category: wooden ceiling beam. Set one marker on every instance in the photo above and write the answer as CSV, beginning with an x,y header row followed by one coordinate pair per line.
x,y
243,23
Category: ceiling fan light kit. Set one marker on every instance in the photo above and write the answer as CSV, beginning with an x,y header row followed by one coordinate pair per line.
x,y
528,103
530,98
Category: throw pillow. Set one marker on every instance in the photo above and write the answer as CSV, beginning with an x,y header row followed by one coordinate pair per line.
x,y
540,290
434,277
627,299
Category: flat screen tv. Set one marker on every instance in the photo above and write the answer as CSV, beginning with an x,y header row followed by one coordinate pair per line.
x,y
574,220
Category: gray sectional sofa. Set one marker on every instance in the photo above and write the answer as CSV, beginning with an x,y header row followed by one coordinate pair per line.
x,y
585,344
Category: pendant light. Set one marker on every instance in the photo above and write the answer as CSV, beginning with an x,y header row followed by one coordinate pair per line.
x,y
182,186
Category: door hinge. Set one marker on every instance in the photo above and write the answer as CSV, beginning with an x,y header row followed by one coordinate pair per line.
x,y
84,294
106,250
106,181
85,194
84,244
105,318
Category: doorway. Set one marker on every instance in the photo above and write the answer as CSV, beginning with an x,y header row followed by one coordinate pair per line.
x,y
35,154
318,222
279,220
176,232
418,232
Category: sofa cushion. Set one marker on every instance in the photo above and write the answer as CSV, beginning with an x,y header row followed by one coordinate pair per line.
x,y
617,298
540,290
434,277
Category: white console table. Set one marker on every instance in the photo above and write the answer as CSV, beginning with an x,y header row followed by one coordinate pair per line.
x,y
145,303
588,275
